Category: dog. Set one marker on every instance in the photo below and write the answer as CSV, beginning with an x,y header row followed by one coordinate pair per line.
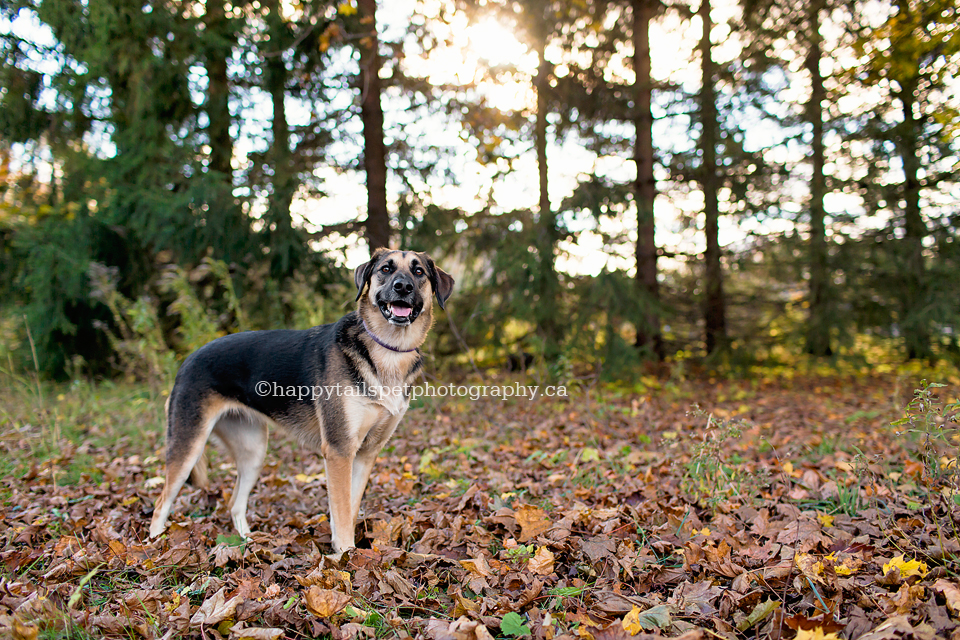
x,y
233,387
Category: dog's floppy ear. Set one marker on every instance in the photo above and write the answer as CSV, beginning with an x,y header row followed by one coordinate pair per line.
x,y
363,273
441,281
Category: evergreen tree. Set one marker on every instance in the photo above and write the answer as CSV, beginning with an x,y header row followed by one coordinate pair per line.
x,y
912,56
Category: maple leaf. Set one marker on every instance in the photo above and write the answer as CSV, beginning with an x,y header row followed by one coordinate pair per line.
x,y
907,568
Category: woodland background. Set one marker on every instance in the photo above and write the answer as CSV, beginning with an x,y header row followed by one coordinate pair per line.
x,y
730,229
790,187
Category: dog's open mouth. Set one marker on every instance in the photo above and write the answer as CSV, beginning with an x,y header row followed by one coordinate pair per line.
x,y
397,312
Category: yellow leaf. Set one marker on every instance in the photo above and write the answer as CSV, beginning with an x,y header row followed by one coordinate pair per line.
x,y
825,519
815,634
346,9
788,468
590,455
907,567
631,622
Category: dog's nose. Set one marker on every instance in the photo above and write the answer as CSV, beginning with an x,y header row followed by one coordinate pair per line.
x,y
402,286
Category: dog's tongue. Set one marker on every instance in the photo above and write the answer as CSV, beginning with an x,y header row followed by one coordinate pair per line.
x,y
401,312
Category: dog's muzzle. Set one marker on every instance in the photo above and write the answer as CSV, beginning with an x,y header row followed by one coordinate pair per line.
x,y
399,303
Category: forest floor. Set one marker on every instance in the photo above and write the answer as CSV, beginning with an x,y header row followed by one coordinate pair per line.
x,y
784,506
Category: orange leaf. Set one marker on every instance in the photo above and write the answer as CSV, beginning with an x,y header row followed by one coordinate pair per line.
x,y
324,603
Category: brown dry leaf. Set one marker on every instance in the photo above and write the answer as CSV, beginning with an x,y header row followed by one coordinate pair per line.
x,y
240,631
541,563
810,566
462,628
386,532
324,603
327,579
532,520
215,609
951,593
477,566
898,628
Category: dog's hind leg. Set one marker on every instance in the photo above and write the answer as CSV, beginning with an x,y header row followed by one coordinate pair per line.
x,y
185,443
245,438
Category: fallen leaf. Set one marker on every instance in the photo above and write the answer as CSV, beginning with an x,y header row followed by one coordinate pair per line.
x,y
759,614
951,593
541,563
532,520
215,609
241,632
657,617
324,603
816,634
907,568
477,566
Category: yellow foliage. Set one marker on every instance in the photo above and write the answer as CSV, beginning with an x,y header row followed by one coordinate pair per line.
x,y
907,567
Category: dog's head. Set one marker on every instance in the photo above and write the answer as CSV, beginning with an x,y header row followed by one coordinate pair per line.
x,y
401,285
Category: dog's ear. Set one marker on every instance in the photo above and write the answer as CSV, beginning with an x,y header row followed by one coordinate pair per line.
x,y
441,281
363,273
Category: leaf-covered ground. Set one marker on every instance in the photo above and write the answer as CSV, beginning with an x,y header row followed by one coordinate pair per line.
x,y
780,508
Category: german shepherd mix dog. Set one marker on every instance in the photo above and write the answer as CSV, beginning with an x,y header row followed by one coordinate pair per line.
x,y
353,374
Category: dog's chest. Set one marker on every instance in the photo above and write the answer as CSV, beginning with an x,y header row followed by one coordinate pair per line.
x,y
387,384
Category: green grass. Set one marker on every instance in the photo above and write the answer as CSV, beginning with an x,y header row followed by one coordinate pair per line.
x,y
57,428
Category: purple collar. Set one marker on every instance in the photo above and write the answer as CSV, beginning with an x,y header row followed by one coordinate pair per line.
x,y
381,343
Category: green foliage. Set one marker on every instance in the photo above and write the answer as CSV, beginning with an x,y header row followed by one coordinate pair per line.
x,y
712,474
514,625
140,347
937,425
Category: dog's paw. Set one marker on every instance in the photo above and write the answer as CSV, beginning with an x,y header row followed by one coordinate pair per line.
x,y
338,558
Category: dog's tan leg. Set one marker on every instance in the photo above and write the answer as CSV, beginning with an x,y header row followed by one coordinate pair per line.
x,y
362,466
339,480
366,457
245,438
181,457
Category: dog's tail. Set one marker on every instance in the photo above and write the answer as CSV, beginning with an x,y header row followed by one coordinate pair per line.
x,y
198,476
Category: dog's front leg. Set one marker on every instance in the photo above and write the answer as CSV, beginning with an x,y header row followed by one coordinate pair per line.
x,y
339,480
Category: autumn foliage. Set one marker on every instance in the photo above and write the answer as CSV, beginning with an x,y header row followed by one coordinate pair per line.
x,y
782,507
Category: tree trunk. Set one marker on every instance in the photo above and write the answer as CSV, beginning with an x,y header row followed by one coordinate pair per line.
x,y
714,307
649,338
818,323
914,325
548,288
374,150
219,44
226,226
285,249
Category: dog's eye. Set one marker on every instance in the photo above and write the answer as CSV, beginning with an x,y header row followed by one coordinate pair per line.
x,y
418,271
385,268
